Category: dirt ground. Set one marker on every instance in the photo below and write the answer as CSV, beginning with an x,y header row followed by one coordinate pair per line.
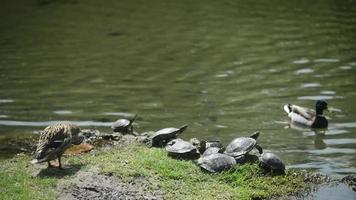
x,y
92,185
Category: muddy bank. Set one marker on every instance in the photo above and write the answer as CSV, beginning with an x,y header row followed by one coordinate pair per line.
x,y
93,185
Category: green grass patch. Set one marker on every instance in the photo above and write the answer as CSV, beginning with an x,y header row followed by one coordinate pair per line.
x,y
181,179
16,181
178,179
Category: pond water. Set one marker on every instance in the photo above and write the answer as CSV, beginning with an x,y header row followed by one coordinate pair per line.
x,y
225,68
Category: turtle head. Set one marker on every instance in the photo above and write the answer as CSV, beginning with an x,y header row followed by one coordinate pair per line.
x,y
182,128
255,135
133,119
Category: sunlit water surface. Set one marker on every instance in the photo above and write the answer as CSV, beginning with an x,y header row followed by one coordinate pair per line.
x,y
225,68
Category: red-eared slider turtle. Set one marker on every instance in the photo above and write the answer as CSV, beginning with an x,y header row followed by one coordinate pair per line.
x,y
163,136
179,148
272,162
54,140
212,150
204,145
123,126
243,145
216,162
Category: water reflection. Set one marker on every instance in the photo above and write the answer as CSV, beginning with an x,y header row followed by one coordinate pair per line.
x,y
310,85
62,112
330,145
327,60
304,71
301,61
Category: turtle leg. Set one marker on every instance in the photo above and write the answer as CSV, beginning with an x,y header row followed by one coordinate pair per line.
x,y
259,148
160,143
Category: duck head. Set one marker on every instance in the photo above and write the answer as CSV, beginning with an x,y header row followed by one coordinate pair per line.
x,y
320,106
77,135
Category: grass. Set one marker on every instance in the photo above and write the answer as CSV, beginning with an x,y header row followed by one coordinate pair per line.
x,y
178,179
181,179
16,182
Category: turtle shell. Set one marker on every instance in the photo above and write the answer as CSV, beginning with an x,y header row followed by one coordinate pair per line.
x,y
272,161
163,136
212,150
240,146
180,146
181,149
122,125
216,162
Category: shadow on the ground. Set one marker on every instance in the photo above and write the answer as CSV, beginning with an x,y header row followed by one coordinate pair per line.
x,y
68,170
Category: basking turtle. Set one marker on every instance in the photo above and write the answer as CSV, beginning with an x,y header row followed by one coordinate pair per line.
x,y
54,140
216,162
213,143
243,145
204,145
212,150
124,126
163,136
272,162
179,148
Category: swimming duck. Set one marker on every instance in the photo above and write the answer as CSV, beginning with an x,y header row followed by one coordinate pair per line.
x,y
308,117
54,140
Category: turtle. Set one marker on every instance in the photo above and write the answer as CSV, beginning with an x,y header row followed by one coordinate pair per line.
x,y
243,145
163,136
212,150
124,126
54,140
217,162
210,143
182,149
272,162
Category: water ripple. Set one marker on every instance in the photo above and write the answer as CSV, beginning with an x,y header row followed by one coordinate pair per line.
x,y
317,97
304,71
327,60
7,100
62,112
310,85
301,61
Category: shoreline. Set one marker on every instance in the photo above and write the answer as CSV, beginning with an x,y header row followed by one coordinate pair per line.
x,y
125,168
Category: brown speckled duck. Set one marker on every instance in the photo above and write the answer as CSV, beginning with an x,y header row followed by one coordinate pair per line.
x,y
54,140
308,117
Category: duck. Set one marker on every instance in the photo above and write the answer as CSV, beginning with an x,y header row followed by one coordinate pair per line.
x,y
54,140
308,117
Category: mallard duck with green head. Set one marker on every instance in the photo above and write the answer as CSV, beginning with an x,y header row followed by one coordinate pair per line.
x,y
308,117
54,140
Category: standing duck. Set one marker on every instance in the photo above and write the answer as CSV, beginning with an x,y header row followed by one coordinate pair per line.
x,y
54,140
308,117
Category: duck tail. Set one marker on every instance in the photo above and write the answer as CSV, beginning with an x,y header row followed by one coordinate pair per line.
x,y
288,108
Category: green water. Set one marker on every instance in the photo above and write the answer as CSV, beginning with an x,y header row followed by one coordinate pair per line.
x,y
225,68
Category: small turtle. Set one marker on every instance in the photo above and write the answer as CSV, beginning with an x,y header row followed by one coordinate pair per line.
x,y
216,162
210,143
272,162
212,150
243,145
163,136
179,148
124,126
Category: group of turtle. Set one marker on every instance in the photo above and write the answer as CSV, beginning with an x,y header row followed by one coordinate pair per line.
x,y
211,156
